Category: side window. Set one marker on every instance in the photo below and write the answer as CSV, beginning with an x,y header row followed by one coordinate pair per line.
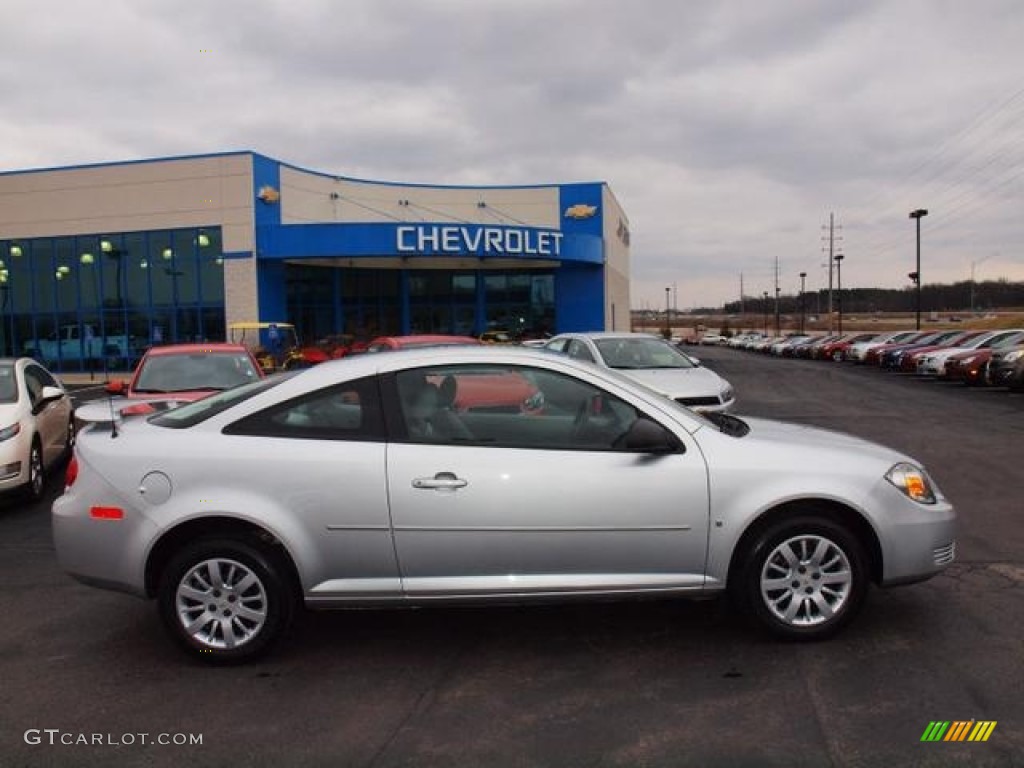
x,y
578,350
558,345
508,406
43,375
349,411
34,382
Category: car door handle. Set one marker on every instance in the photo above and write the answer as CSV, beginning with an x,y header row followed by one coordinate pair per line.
x,y
442,481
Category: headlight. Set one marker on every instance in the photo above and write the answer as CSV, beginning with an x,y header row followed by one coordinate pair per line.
x,y
8,432
727,394
1012,357
912,481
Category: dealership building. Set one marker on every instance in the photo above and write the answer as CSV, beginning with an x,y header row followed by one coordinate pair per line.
x,y
177,249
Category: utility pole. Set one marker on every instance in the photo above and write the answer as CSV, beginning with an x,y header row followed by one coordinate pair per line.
x,y
803,311
778,319
831,260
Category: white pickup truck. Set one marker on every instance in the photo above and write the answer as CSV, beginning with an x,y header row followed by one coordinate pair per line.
x,y
77,343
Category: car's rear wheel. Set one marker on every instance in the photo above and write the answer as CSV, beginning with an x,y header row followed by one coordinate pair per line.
x,y
225,600
804,577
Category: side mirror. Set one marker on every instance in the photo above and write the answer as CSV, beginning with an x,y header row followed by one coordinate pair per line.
x,y
116,386
646,436
50,393
47,395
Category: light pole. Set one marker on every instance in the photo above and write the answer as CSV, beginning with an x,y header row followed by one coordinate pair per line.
x,y
916,274
839,289
975,263
803,277
668,309
765,310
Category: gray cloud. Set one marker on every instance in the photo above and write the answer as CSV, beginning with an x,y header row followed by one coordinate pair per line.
x,y
728,130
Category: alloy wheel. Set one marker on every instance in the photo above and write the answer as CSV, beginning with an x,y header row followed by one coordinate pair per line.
x,y
806,580
221,603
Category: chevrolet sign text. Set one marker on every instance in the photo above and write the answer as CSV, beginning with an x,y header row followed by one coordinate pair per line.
x,y
482,241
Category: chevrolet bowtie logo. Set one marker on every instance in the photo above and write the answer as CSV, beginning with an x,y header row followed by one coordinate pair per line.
x,y
268,194
580,211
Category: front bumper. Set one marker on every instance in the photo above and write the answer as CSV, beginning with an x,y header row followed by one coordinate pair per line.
x,y
918,541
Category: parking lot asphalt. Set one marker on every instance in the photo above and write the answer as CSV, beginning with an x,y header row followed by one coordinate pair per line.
x,y
658,683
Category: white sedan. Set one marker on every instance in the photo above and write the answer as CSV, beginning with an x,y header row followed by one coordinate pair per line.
x,y
483,475
653,362
36,425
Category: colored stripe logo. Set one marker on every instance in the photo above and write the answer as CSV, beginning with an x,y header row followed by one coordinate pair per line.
x,y
959,730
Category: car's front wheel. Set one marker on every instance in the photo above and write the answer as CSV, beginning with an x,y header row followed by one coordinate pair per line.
x,y
36,473
225,600
804,577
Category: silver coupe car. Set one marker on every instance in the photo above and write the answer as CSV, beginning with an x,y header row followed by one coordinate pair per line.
x,y
482,474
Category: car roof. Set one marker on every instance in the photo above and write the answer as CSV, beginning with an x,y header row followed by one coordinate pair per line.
x,y
611,335
193,349
428,338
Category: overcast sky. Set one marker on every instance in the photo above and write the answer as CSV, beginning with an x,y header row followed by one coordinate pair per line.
x,y
728,131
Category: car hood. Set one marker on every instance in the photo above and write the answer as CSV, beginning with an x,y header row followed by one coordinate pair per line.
x,y
679,382
799,436
10,413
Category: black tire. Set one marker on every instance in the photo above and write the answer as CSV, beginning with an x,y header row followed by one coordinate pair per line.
x,y
69,442
814,593
36,485
238,620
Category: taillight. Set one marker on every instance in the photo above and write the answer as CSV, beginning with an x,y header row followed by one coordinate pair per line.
x,y
71,474
106,513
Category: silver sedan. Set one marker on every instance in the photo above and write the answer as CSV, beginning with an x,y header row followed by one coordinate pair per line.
x,y
494,474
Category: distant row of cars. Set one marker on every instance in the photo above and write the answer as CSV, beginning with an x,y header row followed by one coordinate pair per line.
x,y
975,357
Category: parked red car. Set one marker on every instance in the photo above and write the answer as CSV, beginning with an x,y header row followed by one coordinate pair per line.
x,y
186,372
836,350
908,362
970,365
385,343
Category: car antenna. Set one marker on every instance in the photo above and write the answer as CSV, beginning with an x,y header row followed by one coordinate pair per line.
x,y
113,421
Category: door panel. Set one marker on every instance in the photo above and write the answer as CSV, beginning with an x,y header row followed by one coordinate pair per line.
x,y
536,520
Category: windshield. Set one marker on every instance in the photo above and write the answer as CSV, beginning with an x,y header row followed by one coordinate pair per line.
x,y
201,410
634,353
720,422
196,371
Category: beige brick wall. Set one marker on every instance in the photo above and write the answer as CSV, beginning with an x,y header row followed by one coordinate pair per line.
x,y
129,197
617,263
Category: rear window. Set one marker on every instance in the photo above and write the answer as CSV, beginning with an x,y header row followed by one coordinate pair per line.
x,y
195,413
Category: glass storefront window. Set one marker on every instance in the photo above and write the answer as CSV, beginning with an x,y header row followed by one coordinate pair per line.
x,y
134,288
